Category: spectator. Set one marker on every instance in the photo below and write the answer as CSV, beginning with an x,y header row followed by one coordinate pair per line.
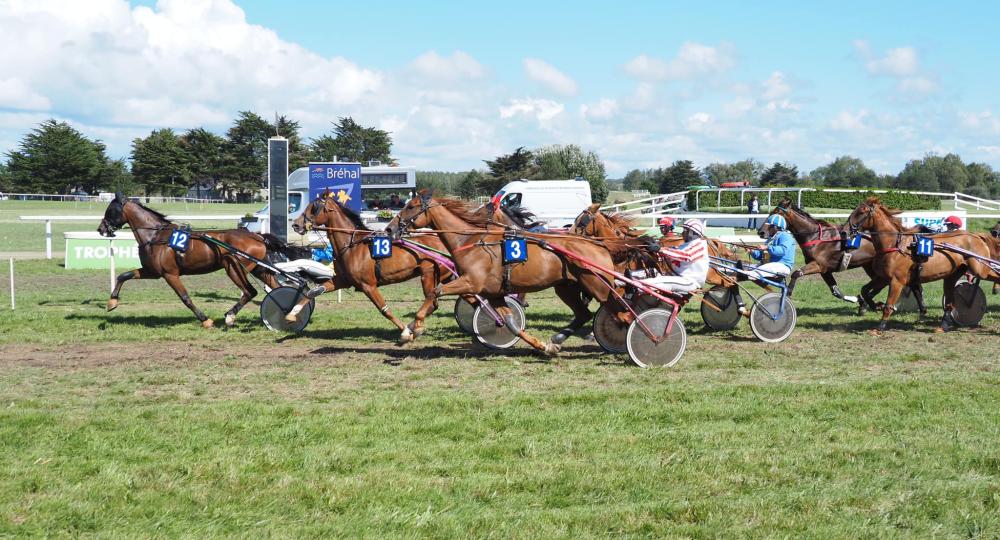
x,y
753,207
395,203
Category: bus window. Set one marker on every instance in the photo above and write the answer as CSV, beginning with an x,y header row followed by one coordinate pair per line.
x,y
512,199
294,202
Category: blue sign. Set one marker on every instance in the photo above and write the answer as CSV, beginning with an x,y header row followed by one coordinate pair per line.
x,y
381,247
853,242
515,250
342,179
925,246
179,240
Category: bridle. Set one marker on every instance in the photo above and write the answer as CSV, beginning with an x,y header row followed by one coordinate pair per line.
x,y
855,228
425,206
584,220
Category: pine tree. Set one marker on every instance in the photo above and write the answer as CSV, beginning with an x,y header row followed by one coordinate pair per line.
x,y
159,163
56,158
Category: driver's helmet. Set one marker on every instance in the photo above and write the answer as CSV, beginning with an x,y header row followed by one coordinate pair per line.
x,y
695,226
777,221
667,222
953,222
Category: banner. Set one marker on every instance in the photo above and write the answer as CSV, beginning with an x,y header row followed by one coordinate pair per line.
x,y
91,250
343,180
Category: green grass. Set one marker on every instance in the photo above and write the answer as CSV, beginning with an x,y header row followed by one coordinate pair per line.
x,y
139,423
17,235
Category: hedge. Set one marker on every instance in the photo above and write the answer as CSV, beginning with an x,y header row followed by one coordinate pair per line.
x,y
821,199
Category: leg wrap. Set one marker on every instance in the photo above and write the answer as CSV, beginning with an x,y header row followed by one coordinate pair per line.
x,y
384,309
511,324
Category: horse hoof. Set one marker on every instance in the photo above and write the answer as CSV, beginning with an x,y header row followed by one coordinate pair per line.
x,y
876,332
208,323
552,349
112,304
407,335
559,338
940,330
230,320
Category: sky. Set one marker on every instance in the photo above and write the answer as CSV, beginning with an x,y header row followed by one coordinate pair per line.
x,y
642,84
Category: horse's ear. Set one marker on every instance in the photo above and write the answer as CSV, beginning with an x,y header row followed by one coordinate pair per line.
x,y
120,197
593,208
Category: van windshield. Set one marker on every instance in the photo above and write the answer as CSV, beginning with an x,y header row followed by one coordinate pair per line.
x,y
512,199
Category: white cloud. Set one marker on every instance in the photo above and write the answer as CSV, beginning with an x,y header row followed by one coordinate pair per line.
x,y
851,122
546,74
448,68
985,121
776,87
604,109
16,94
901,64
698,122
693,61
540,109
992,151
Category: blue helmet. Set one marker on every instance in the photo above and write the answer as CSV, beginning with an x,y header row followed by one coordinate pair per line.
x,y
777,220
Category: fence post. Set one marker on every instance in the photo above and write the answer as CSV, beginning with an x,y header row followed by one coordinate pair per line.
x,y
769,198
111,253
800,198
48,238
743,192
718,200
12,283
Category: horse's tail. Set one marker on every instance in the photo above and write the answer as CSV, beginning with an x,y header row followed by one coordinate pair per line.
x,y
275,246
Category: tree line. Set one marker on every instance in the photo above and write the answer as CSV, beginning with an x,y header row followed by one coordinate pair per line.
x,y
57,158
946,173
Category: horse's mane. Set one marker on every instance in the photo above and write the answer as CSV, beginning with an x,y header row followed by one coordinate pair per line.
x,y
520,215
159,215
786,203
353,216
463,212
889,212
620,221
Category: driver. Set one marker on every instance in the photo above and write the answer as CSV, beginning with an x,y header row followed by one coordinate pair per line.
x,y
666,225
780,247
689,261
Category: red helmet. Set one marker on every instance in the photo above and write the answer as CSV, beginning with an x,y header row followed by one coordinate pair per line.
x,y
666,222
953,220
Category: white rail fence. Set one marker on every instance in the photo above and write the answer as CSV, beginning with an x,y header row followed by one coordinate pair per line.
x,y
96,219
105,197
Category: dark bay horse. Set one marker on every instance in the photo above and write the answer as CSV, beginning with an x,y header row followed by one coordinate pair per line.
x,y
152,230
477,254
895,263
355,267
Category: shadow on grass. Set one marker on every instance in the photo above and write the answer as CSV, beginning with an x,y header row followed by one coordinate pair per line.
x,y
151,321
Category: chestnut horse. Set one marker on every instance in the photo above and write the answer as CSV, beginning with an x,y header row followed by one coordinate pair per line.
x,y
595,223
895,263
152,231
355,267
477,254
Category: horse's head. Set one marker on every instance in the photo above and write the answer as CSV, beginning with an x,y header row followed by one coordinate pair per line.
x,y
995,231
586,224
864,216
114,216
413,215
312,214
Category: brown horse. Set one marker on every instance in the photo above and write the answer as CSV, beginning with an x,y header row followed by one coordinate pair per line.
x,y
993,240
152,231
822,245
895,263
477,254
355,267
595,223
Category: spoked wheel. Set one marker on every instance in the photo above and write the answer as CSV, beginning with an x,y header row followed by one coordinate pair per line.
x,y
764,326
724,299
465,312
609,333
970,304
485,328
907,302
278,303
646,353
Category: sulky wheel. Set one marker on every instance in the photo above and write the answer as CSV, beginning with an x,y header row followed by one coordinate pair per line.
x,y
646,352
766,324
724,299
464,314
609,332
970,304
487,331
278,303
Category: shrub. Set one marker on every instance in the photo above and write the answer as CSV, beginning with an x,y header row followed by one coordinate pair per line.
x,y
823,199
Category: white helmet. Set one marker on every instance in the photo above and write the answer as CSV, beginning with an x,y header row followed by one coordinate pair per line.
x,y
695,226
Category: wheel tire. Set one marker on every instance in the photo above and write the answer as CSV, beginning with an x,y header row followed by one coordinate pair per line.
x,y
278,303
646,353
728,318
907,302
497,337
767,329
465,312
609,333
970,304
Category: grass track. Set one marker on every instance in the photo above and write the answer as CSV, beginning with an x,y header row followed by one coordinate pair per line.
x,y
138,423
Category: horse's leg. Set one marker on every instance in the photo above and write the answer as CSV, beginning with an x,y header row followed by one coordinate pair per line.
x,y
430,276
119,281
325,287
895,290
949,300
266,276
809,269
373,294
238,275
499,304
868,293
571,296
174,281
461,285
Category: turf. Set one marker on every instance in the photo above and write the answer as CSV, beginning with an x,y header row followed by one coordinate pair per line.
x,y
139,423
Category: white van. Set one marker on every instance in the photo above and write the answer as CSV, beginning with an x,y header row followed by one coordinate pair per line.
x,y
556,202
